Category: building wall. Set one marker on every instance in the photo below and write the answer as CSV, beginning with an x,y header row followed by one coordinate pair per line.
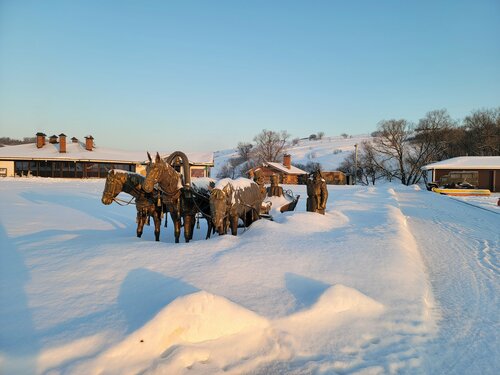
x,y
200,171
66,169
334,178
488,178
266,173
290,179
9,166
284,178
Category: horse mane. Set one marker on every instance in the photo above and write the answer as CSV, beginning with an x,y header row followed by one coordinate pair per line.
x,y
136,178
217,194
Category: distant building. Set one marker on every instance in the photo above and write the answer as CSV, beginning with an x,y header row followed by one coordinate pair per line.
x,y
57,158
288,174
200,163
334,177
487,167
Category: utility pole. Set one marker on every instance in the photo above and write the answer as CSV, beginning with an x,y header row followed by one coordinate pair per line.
x,y
355,163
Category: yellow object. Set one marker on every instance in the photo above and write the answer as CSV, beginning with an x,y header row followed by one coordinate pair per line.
x,y
462,192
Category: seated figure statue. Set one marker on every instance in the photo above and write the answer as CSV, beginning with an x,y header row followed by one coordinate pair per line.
x,y
275,190
317,193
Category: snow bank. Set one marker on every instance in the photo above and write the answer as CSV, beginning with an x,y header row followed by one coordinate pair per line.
x,y
195,318
204,333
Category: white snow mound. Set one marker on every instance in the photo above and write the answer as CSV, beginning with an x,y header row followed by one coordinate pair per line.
x,y
194,318
338,299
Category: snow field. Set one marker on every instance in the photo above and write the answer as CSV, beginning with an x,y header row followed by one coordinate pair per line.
x,y
344,292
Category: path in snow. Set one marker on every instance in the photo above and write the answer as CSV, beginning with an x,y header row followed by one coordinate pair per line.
x,y
460,248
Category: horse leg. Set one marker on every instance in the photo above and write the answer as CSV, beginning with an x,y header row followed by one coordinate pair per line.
x,y
140,223
157,221
177,226
234,225
187,228
193,223
209,228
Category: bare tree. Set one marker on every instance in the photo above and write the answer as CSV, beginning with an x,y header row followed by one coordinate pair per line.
x,y
392,146
231,169
369,168
7,141
310,167
483,132
245,150
321,135
428,144
270,145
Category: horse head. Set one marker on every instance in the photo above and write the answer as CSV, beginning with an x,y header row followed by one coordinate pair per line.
x,y
220,204
162,173
113,186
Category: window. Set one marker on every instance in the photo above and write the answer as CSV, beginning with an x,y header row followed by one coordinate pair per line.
x,y
91,170
45,168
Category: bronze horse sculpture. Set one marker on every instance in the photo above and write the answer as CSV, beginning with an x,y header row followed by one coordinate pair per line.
x,y
118,181
181,199
231,200
170,185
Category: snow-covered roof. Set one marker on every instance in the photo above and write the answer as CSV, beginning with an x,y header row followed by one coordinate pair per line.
x,y
282,168
77,152
467,162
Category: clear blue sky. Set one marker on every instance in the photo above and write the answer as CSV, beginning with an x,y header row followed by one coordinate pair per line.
x,y
203,75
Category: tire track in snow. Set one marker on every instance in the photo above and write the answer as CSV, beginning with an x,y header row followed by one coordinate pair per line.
x,y
460,249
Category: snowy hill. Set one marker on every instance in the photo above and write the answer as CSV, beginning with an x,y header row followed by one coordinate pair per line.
x,y
329,152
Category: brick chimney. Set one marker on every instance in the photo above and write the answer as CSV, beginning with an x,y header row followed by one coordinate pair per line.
x,y
89,143
62,143
287,160
40,139
53,139
74,140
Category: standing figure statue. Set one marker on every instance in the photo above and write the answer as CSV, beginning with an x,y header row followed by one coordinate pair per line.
x,y
258,178
275,190
317,193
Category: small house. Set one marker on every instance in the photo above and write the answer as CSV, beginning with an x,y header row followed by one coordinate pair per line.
x,y
287,173
486,170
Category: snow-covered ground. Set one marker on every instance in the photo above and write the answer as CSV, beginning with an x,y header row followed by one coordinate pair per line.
x,y
392,279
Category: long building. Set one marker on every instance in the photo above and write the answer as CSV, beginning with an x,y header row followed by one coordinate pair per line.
x,y
58,158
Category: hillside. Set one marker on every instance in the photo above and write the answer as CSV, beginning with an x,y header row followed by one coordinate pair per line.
x,y
329,152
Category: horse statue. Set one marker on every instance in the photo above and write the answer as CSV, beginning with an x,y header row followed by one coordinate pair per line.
x,y
182,199
170,184
317,193
231,200
118,181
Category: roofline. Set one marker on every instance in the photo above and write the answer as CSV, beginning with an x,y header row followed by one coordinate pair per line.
x,y
482,167
16,158
283,171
